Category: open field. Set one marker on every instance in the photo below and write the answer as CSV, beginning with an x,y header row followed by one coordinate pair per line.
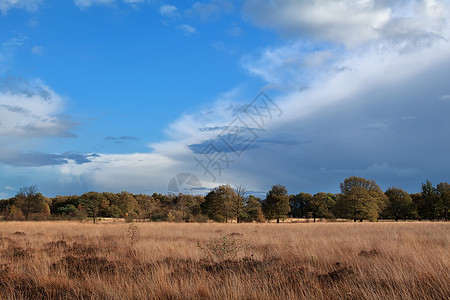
x,y
70,260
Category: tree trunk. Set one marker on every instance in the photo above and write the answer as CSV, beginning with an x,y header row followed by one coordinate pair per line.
x,y
278,220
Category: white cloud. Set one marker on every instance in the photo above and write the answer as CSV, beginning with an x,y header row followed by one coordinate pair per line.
x,y
445,97
187,29
7,51
38,50
139,172
351,22
30,5
213,9
349,119
88,3
293,63
168,10
31,109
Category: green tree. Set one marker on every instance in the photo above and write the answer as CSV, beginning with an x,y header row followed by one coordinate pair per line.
x,y
253,209
320,206
93,202
443,193
400,204
276,205
360,199
218,204
298,204
429,208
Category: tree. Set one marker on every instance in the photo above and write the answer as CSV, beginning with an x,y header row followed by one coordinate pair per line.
x,y
93,202
429,208
218,204
146,205
400,204
239,203
360,199
320,206
443,193
277,203
298,204
253,209
29,201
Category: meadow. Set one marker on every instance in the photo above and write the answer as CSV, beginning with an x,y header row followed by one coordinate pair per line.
x,y
73,260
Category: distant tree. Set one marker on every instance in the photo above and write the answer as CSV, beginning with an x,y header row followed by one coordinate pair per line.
x,y
253,209
146,205
65,206
189,207
218,204
400,204
429,208
127,203
29,201
419,204
360,199
196,208
320,206
298,204
443,193
238,203
277,203
93,202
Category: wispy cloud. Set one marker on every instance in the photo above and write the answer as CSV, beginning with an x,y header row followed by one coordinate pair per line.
x,y
83,4
351,22
88,3
212,9
31,109
121,138
445,97
8,49
30,5
168,10
187,29
38,50
39,159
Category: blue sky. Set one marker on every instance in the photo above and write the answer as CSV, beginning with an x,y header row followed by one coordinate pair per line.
x,y
112,95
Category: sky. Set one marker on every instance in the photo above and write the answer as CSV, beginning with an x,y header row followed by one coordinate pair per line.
x,y
181,96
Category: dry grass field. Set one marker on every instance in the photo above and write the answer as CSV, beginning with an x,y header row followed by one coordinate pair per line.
x,y
70,260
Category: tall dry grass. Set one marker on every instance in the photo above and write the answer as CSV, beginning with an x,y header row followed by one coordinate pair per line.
x,y
69,260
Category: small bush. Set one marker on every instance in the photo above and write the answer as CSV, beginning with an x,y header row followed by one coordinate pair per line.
x,y
223,248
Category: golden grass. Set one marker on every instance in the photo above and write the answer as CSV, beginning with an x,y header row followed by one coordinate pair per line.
x,y
70,260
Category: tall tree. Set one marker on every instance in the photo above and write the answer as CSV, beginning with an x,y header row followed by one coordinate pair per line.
x,y
277,203
253,209
239,202
360,199
93,202
443,193
320,206
146,204
400,204
298,204
218,203
430,203
28,200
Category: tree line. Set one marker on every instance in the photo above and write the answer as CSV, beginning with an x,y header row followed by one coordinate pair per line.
x,y
359,199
